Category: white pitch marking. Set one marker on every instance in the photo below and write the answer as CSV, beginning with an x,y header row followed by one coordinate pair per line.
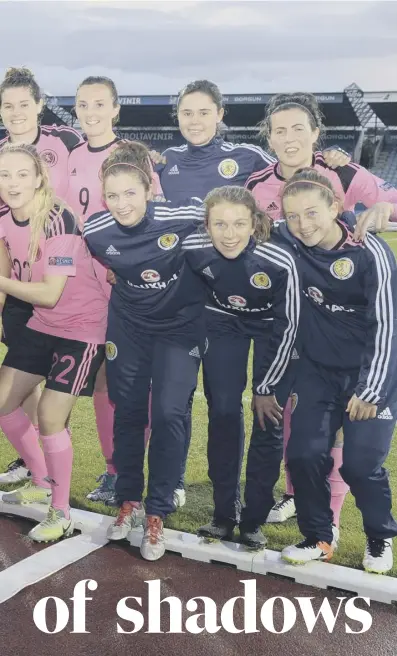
x,y
47,562
94,526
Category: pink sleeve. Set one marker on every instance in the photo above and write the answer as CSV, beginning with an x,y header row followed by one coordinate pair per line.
x,y
157,190
368,189
259,193
61,254
2,230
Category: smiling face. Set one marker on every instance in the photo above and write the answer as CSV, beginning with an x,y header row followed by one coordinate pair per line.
x,y
95,109
198,117
19,111
292,137
311,218
230,227
126,197
19,180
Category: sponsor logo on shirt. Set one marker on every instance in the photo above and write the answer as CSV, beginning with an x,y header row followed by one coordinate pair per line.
x,y
150,275
195,352
228,168
342,268
168,241
74,172
49,157
111,250
294,401
111,351
295,355
173,170
154,285
260,280
316,295
60,261
237,301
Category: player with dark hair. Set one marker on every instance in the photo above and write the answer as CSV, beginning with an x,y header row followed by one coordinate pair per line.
x,y
207,161
97,109
293,126
346,375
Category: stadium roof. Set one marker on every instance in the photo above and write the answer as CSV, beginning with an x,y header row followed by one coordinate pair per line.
x,y
384,105
241,110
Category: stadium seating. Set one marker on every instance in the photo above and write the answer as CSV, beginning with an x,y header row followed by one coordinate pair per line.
x,y
386,166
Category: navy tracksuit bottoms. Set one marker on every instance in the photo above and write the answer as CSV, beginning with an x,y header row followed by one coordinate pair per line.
x,y
322,395
225,379
171,361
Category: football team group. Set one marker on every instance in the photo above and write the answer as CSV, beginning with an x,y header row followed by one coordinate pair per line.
x,y
122,271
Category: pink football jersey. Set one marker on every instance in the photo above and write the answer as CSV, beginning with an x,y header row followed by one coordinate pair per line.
x,y
81,312
54,143
84,194
352,183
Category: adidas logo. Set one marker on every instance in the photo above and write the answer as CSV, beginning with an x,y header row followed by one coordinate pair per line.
x,y
112,251
174,170
273,207
385,414
195,352
207,271
295,355
74,172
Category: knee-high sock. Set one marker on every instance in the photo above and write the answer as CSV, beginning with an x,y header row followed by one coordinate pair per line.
x,y
287,432
59,459
23,436
339,488
104,413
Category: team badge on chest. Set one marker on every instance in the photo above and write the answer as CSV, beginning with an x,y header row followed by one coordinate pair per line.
x,y
49,157
168,241
150,275
260,281
228,168
342,268
237,301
